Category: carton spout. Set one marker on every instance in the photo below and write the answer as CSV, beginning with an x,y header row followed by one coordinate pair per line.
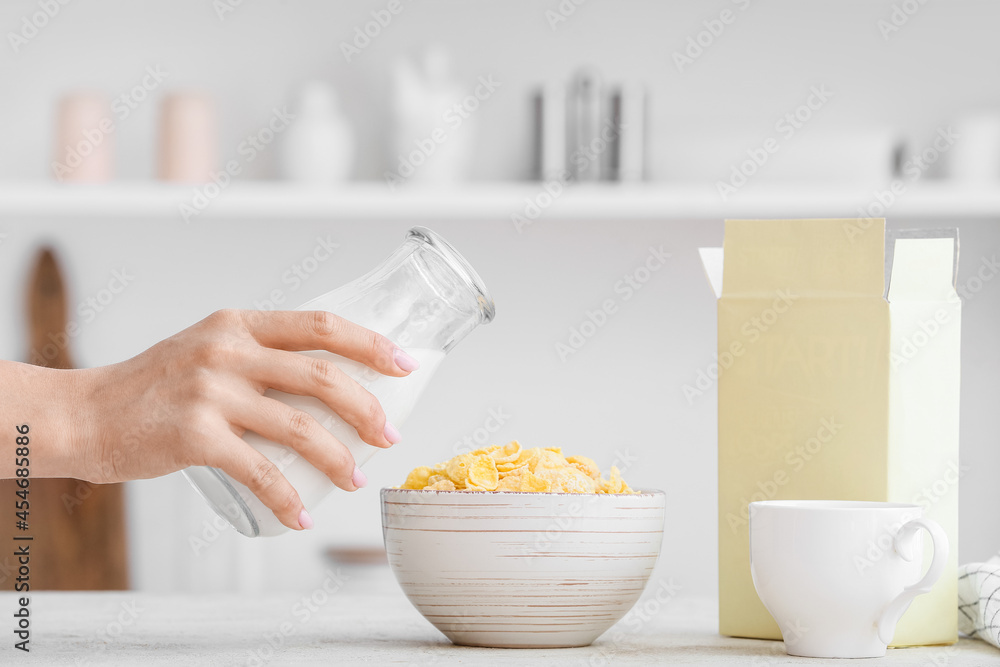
x,y
920,263
711,260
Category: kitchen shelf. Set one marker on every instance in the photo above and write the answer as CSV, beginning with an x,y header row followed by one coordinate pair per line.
x,y
272,200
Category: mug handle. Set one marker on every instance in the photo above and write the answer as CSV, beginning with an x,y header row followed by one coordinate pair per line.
x,y
903,544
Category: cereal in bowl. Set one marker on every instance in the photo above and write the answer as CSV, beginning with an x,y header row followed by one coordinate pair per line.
x,y
512,468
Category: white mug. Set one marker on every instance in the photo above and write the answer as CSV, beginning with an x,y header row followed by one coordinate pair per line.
x,y
837,575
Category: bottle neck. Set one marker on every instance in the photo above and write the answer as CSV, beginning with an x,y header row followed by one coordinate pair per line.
x,y
456,300
425,295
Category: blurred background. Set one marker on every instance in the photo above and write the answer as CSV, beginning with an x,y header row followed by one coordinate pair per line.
x,y
188,156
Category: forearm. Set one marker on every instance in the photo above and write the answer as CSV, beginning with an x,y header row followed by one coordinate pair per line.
x,y
187,401
48,402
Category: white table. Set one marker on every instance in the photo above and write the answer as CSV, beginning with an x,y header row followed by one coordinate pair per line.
x,y
368,621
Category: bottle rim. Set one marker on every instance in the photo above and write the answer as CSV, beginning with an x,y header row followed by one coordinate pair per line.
x,y
460,265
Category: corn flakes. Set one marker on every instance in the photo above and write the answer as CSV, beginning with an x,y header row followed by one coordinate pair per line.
x,y
457,469
585,465
509,453
513,468
417,479
442,485
483,473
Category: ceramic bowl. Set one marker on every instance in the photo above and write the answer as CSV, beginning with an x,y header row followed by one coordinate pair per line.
x,y
519,570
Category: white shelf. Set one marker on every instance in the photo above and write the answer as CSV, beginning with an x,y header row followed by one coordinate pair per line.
x,y
484,201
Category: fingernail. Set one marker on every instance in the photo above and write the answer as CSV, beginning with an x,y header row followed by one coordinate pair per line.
x,y
405,361
391,434
359,478
305,520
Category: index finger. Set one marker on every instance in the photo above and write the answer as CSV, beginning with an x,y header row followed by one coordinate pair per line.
x,y
299,330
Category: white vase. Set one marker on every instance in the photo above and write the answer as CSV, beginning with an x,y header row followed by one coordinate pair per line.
x,y
432,143
318,148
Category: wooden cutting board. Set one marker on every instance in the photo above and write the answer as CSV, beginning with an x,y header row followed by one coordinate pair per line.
x,y
78,527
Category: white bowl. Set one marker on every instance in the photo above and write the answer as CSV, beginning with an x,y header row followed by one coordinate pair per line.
x,y
520,570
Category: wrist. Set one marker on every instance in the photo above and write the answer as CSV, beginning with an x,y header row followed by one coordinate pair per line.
x,y
56,405
41,399
65,410
80,416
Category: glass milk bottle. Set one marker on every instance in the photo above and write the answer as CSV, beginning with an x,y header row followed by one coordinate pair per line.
x,y
425,298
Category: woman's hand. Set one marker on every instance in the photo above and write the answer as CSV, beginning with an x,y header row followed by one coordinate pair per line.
x,y
188,400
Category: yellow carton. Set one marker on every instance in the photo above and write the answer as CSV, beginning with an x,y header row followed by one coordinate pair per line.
x,y
831,387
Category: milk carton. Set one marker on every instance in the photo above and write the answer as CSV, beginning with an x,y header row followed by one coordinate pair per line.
x,y
841,381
